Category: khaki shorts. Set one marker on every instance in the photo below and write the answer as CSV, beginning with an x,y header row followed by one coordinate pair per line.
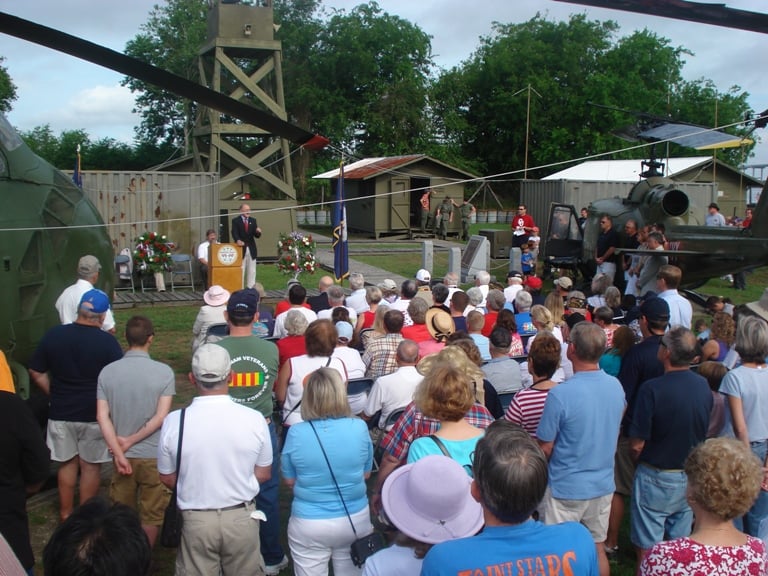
x,y
593,513
69,439
142,491
624,468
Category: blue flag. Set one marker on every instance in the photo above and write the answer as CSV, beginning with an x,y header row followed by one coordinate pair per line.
x,y
77,177
340,246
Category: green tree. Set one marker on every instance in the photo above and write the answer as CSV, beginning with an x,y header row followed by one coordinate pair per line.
x,y
481,105
373,72
169,40
7,88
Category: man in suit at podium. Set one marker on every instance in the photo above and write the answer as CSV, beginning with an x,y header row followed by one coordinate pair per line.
x,y
244,233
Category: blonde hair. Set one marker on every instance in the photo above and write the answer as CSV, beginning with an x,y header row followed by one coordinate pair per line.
x,y
543,316
724,477
723,328
455,355
325,396
444,393
554,303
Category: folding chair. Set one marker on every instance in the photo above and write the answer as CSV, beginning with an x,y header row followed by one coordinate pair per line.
x,y
124,273
181,265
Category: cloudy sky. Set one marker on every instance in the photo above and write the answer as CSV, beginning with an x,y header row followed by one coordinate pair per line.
x,y
67,93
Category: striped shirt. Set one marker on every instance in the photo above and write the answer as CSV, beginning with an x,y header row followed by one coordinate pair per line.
x,y
526,408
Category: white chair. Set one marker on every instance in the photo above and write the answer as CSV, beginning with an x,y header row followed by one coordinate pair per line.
x,y
124,273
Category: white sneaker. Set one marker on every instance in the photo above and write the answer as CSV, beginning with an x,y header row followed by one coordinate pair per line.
x,y
274,569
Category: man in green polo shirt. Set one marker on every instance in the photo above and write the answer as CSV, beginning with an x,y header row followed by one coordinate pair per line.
x,y
254,364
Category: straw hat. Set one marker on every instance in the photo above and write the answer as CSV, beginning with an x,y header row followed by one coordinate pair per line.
x,y
439,323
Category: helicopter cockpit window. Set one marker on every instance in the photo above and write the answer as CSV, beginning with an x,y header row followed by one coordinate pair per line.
x,y
564,225
9,139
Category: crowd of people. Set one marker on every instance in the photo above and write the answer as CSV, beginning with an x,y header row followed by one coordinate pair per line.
x,y
500,427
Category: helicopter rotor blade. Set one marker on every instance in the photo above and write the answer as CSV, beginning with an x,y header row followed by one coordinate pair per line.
x,y
85,50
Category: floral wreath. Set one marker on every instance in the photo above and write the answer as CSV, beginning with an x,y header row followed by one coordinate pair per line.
x,y
152,252
296,254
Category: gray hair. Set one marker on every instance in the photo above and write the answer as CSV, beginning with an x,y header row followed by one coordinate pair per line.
x,y
335,295
408,352
752,339
373,294
495,300
475,296
417,310
440,293
356,281
588,341
523,301
451,279
682,346
483,278
295,323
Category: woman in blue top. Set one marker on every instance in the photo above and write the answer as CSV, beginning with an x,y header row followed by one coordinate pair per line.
x,y
746,393
446,394
319,528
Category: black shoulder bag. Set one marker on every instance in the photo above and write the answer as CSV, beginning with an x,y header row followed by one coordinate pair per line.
x,y
363,547
170,534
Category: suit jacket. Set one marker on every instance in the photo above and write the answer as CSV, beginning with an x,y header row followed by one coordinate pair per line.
x,y
249,237
319,302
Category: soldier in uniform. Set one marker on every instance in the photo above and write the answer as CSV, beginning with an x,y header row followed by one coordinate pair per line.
x,y
444,216
466,210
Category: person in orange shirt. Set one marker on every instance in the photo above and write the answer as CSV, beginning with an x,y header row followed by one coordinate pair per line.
x,y
6,377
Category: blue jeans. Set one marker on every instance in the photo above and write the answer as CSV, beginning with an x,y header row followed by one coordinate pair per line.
x,y
659,506
759,511
268,502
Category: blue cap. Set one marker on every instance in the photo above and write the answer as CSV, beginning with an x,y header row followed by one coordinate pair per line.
x,y
243,303
95,301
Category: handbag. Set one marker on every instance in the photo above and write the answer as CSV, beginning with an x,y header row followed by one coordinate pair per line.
x,y
362,548
170,533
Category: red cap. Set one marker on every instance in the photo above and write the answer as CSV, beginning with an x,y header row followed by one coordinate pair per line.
x,y
533,282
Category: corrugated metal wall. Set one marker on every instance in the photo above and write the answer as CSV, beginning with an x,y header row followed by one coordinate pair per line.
x,y
538,195
181,205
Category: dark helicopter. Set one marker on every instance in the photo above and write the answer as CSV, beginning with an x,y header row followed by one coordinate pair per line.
x,y
46,225
702,252
46,221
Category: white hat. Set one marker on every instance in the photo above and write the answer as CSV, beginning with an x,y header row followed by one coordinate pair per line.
x,y
423,275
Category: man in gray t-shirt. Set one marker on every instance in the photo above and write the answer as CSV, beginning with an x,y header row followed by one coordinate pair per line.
x,y
133,397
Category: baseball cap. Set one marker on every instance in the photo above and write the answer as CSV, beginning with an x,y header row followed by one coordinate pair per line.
x,y
345,330
564,282
243,303
388,284
515,274
211,363
423,275
655,310
95,301
533,282
88,265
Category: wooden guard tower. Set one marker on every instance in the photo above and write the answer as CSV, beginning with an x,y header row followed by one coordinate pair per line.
x,y
242,59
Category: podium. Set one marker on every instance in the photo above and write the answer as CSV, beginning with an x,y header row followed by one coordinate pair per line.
x,y
225,266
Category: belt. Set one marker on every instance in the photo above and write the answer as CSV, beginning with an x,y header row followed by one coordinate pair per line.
x,y
652,467
225,509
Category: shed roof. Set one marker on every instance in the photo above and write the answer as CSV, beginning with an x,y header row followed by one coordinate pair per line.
x,y
622,170
371,167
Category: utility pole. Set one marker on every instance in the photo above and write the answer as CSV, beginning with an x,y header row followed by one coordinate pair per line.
x,y
529,89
